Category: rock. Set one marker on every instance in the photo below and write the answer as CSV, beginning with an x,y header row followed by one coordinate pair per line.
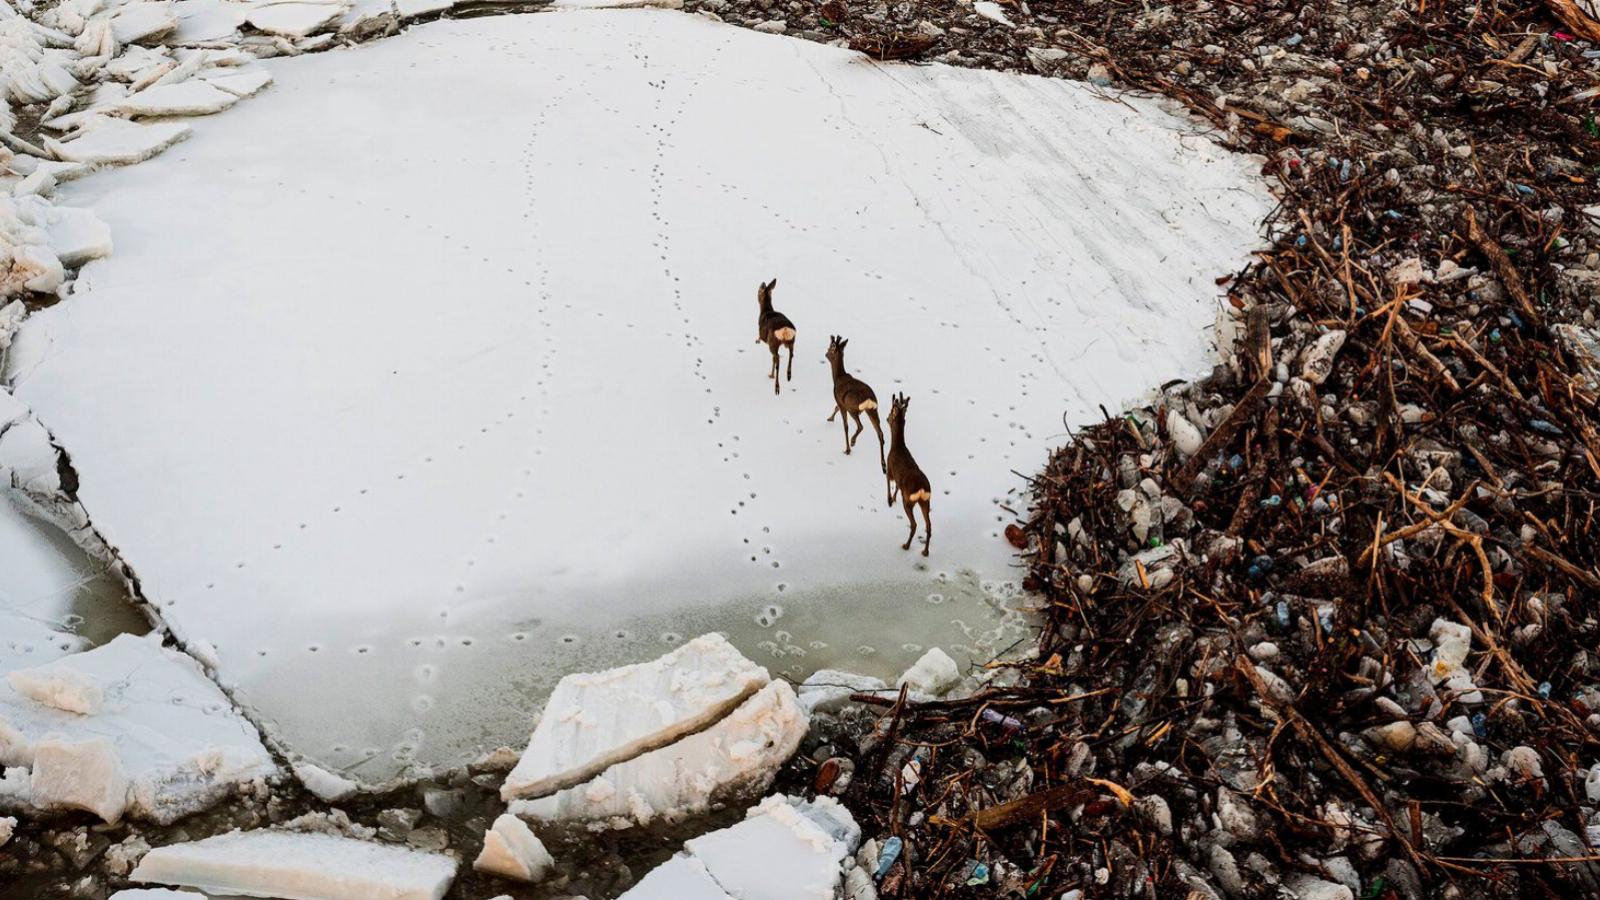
x,y
1154,809
430,838
442,803
933,674
121,858
1406,272
1306,887
773,26
1099,75
1235,817
1396,736
1523,762
512,850
396,824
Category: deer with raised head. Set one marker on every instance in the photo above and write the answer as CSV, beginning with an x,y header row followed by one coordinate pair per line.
x,y
852,397
775,330
903,474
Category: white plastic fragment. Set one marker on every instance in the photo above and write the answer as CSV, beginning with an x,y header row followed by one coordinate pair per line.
x,y
1185,436
1316,363
933,674
62,687
324,784
512,850
992,11
596,720
299,866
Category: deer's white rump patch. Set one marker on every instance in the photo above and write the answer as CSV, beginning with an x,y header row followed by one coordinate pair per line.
x,y
430,367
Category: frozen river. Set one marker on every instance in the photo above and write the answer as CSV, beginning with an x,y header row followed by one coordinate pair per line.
x,y
429,374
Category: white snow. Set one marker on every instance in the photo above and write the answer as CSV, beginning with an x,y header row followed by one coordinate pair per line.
x,y
829,689
512,850
299,866
738,755
933,674
136,21
294,19
154,894
593,721
37,239
8,825
785,849
449,383
164,743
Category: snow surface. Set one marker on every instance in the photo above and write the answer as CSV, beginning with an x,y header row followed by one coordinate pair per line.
x,y
154,894
594,720
448,383
785,849
164,743
298,866
739,755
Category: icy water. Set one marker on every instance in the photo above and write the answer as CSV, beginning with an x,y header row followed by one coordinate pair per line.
x,y
446,384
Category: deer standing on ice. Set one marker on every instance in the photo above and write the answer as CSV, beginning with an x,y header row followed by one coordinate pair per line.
x,y
904,474
775,330
852,397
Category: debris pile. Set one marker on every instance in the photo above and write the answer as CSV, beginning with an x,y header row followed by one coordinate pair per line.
x,y
1321,624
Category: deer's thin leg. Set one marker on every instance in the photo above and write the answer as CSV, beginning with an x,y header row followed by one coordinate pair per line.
x,y
835,411
844,422
790,375
872,415
927,536
859,426
913,520
774,376
890,485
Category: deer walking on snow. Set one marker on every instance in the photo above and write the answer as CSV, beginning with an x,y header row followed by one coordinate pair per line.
x,y
904,474
852,397
775,330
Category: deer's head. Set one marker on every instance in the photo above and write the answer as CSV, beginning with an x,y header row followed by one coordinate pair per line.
x,y
764,293
836,346
897,410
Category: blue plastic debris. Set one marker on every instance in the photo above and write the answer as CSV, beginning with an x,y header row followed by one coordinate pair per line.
x,y
1545,426
886,857
1282,612
1480,724
1272,502
1544,690
1236,461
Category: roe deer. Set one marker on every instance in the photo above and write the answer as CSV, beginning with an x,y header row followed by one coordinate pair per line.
x,y
852,397
904,474
775,330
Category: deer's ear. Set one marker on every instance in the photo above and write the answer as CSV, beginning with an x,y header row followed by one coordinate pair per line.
x,y
843,343
772,284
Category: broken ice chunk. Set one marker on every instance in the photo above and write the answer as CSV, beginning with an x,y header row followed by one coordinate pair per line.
x,y
294,20
137,21
83,775
154,894
512,850
596,720
992,11
185,98
178,741
240,82
62,687
739,754
829,689
119,141
785,849
324,784
679,878
933,674
296,865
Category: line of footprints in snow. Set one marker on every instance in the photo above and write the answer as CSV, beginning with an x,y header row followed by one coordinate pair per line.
x,y
853,397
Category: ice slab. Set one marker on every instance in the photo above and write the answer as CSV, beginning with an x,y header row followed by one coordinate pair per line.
x,y
59,687
933,674
155,894
829,689
594,720
135,22
170,732
195,97
240,82
294,20
512,850
547,357
116,141
738,755
298,866
785,849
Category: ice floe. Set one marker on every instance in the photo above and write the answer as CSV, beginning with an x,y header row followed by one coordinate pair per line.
x,y
299,866
427,354
129,726
785,849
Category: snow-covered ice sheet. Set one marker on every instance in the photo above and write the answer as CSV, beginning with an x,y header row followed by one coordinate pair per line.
x,y
296,866
594,720
157,726
432,371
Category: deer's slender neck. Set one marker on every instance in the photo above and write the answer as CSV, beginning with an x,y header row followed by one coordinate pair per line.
x,y
897,433
766,303
838,366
